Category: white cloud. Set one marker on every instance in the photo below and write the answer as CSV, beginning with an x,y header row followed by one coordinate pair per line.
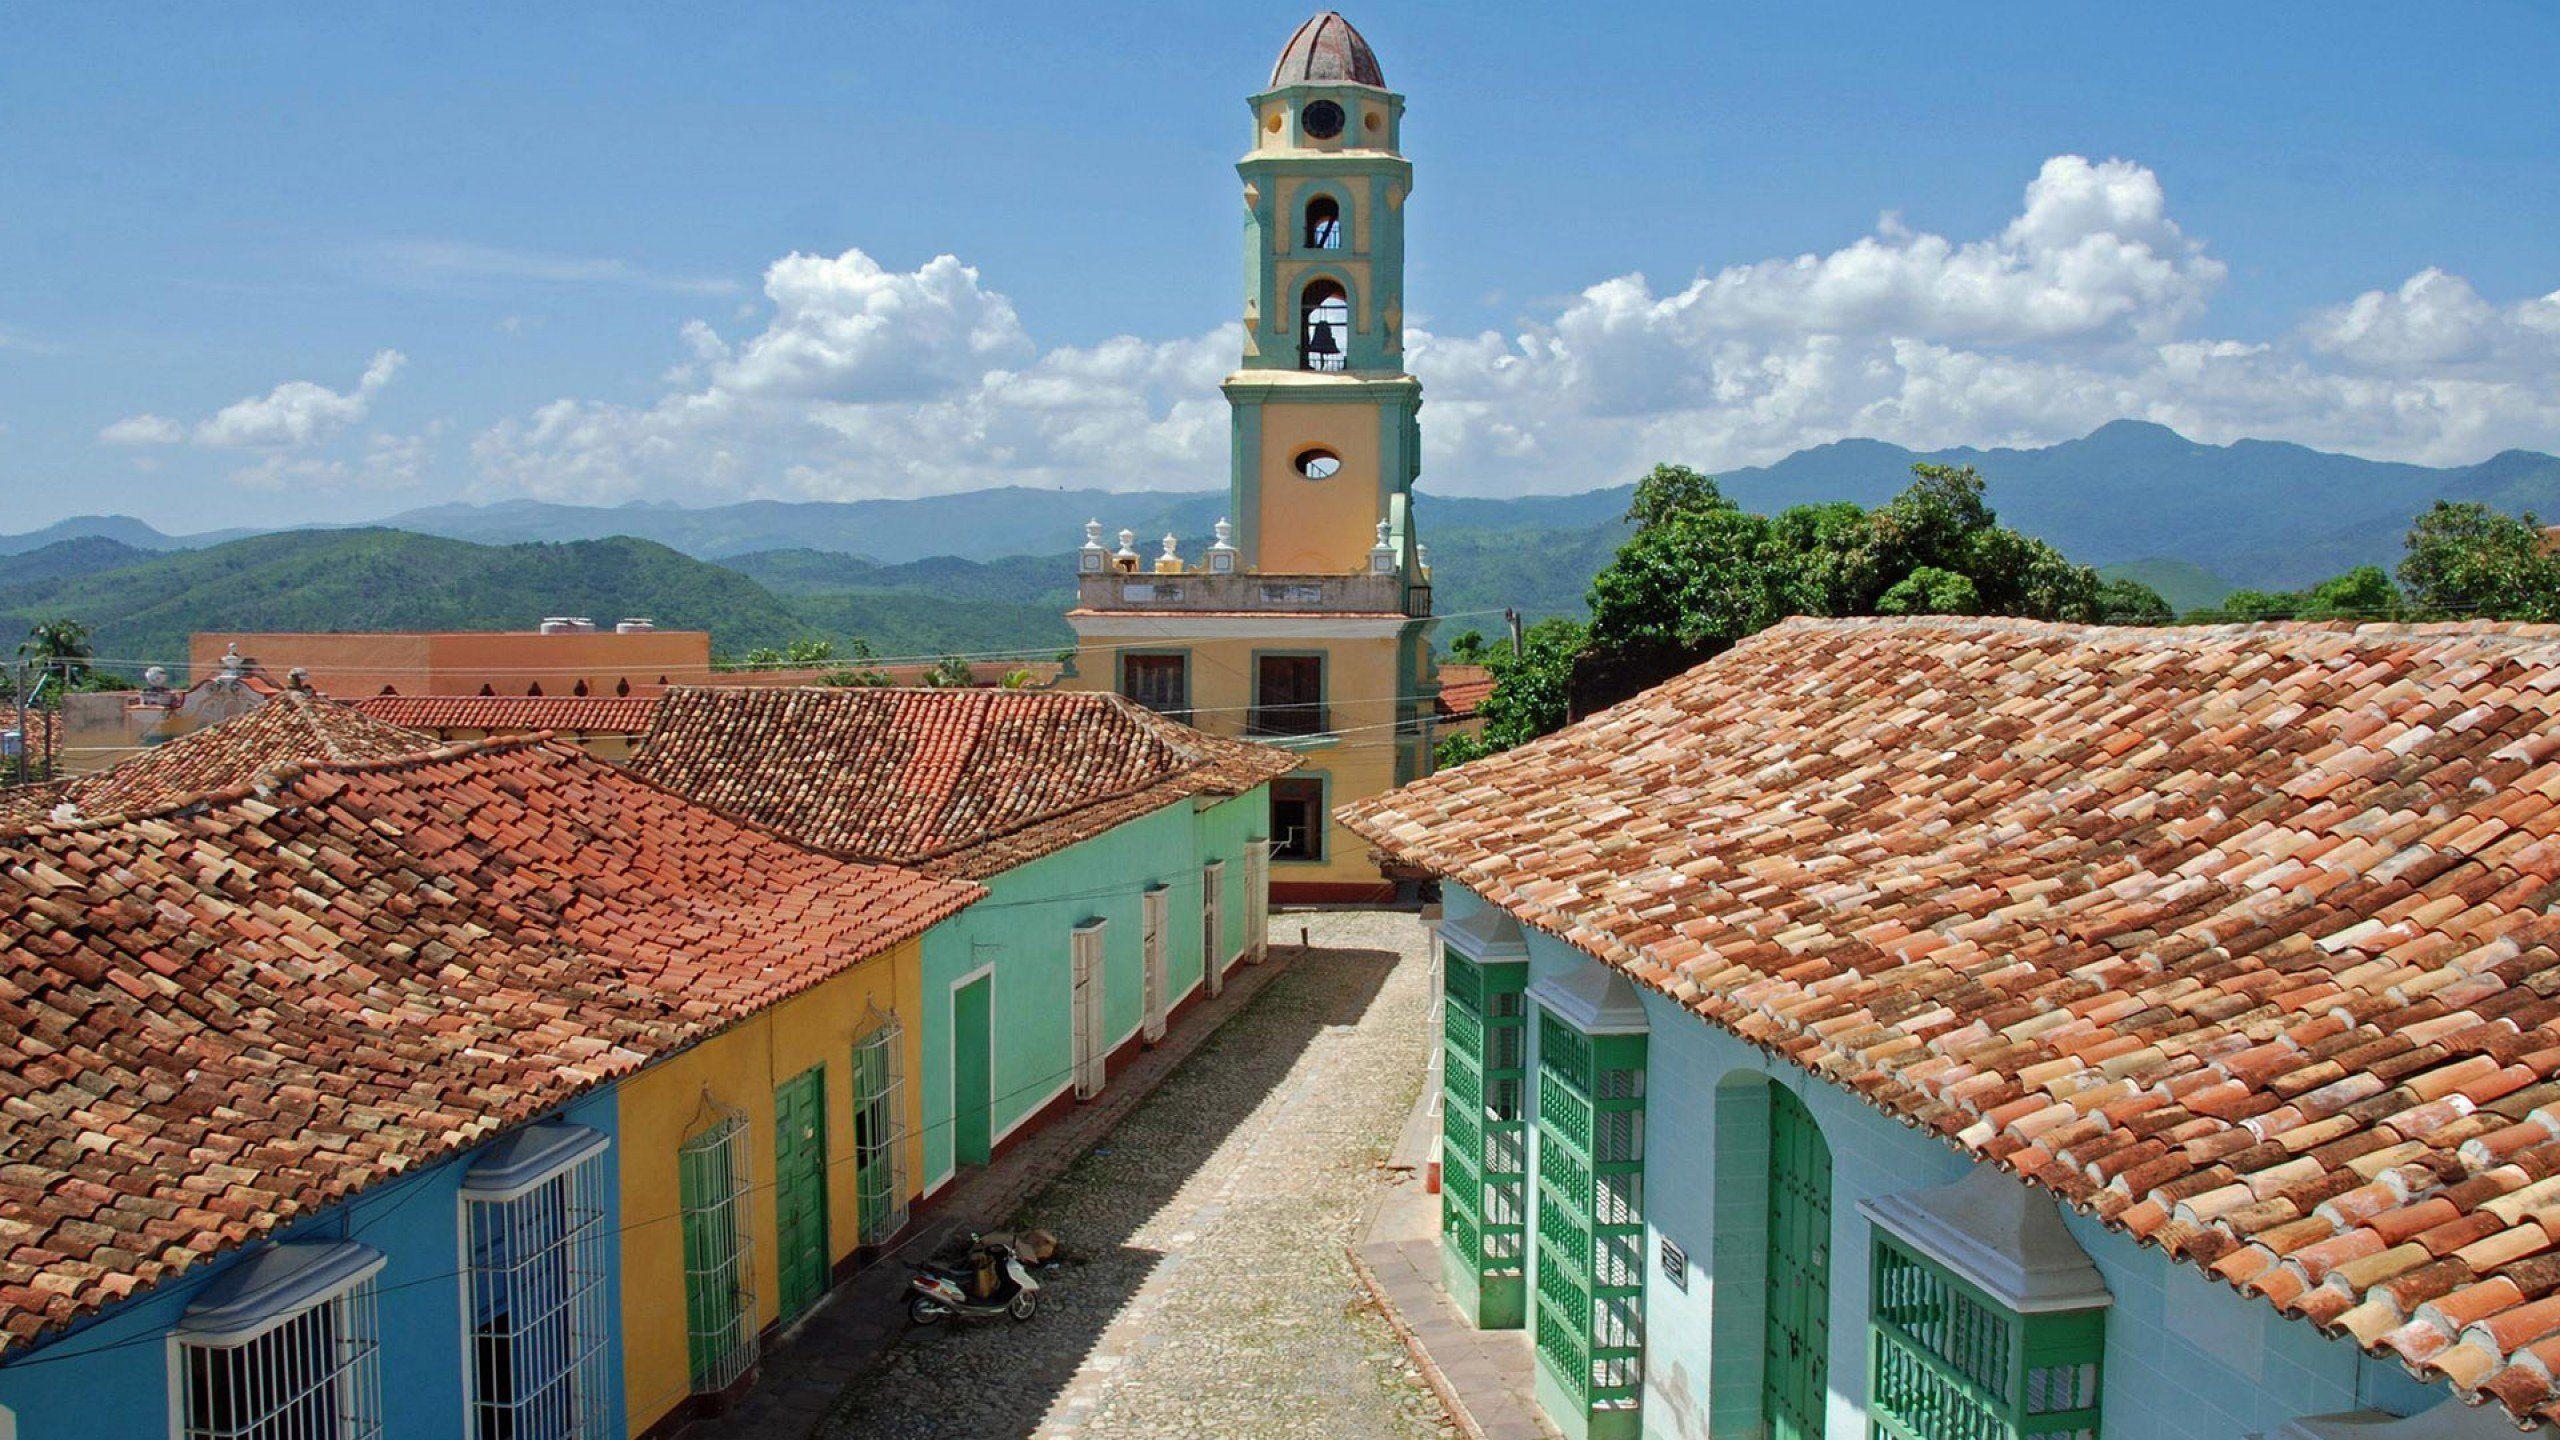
x,y
144,429
290,434
298,412
450,261
2086,306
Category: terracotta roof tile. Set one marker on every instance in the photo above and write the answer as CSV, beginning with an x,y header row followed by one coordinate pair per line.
x,y
2292,886
224,1014
1462,690
968,782
291,727
499,714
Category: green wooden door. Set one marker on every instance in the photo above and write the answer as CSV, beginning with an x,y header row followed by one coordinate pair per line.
x,y
972,1072
800,1189
1796,1376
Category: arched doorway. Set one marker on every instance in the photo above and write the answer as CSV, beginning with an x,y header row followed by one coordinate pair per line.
x,y
1795,1369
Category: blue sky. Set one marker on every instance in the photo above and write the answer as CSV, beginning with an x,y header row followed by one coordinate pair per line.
x,y
324,262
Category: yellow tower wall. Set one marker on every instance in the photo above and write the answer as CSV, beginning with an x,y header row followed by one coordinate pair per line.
x,y
1318,527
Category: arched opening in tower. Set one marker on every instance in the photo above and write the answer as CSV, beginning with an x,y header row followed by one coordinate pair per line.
x,y
1324,223
1324,326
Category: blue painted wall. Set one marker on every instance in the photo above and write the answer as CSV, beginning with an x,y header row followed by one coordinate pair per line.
x,y
110,1379
2187,1358
1022,930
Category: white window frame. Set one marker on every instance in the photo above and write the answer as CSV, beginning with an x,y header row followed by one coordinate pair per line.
x,y
1157,969
537,1251
1085,996
884,1037
728,1131
1213,926
258,1312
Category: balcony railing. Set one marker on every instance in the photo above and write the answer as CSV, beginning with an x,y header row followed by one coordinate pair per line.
x,y
1199,592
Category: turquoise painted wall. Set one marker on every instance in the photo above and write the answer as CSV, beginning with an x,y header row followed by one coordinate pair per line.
x,y
1021,930
2186,1359
110,1379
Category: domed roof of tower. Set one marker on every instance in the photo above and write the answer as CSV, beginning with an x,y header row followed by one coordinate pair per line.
x,y
1326,50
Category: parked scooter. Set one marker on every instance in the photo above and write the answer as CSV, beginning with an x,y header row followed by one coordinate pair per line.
x,y
993,1278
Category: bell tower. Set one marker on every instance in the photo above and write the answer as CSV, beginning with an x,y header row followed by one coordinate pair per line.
x,y
1306,623
1325,440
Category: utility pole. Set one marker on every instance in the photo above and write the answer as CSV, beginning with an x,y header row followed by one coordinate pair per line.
x,y
1511,618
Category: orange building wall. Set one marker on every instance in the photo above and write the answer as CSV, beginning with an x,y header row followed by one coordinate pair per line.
x,y
509,662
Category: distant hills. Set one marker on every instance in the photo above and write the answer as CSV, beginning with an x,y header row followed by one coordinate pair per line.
x,y
992,569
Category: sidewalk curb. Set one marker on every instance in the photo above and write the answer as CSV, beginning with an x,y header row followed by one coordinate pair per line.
x,y
1459,1415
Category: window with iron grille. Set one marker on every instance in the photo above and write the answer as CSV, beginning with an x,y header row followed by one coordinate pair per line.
x,y
713,1173
1288,695
536,1255
284,1347
1484,1140
880,1129
1947,1361
1162,683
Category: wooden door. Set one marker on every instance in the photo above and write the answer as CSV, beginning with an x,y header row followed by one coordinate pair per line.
x,y
800,1189
972,1071
1797,1346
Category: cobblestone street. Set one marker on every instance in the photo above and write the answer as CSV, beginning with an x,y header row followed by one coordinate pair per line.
x,y
1205,1291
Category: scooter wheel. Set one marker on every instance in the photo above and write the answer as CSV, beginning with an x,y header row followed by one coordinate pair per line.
x,y
925,1310
1025,1305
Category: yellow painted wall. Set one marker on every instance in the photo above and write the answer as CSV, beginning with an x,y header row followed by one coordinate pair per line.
x,y
1318,527
1361,677
740,1067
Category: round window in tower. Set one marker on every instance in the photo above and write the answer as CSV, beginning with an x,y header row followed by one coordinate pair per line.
x,y
1318,463
1321,121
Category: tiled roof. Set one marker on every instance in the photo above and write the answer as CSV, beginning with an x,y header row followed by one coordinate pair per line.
x,y
1462,689
970,782
218,1018
2237,938
592,714
291,727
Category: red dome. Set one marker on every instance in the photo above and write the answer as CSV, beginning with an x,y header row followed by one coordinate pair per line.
x,y
1327,51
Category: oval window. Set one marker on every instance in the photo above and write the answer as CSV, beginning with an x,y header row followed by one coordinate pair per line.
x,y
1321,120
1318,463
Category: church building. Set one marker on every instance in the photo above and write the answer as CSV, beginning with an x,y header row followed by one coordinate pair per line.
x,y
1304,623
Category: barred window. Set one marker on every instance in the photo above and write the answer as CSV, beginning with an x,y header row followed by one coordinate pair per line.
x,y
880,1130
538,1254
719,1283
284,1346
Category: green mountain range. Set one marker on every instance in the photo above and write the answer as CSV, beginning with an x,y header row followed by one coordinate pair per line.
x,y
993,569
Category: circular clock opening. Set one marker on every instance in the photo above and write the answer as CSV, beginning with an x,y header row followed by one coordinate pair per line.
x,y
1318,463
1322,120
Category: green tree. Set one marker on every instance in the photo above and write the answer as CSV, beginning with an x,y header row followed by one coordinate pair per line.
x,y
1931,591
950,673
1670,491
2130,602
60,644
2466,560
803,653
1530,691
857,671
2364,593
1467,647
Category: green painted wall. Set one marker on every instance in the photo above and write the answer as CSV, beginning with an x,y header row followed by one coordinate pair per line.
x,y
1021,930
